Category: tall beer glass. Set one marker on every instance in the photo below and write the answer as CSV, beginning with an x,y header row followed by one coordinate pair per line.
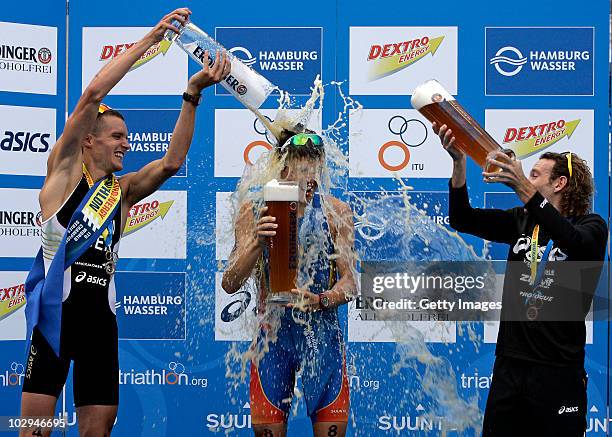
x,y
436,104
282,200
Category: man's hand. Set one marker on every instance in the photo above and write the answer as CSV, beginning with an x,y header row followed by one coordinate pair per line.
x,y
209,76
306,301
448,141
511,174
459,162
156,34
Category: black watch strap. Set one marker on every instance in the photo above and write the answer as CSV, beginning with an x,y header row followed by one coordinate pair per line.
x,y
195,100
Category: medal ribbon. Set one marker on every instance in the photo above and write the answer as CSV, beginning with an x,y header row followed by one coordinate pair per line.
x,y
44,291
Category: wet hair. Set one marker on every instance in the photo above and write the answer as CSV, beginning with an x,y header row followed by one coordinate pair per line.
x,y
105,114
577,195
291,152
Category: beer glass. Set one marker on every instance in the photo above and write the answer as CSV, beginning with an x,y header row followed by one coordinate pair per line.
x,y
436,104
282,199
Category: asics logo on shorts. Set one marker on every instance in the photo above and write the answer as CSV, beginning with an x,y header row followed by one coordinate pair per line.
x,y
568,410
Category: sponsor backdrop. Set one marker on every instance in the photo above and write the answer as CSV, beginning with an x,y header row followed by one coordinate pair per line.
x,y
535,76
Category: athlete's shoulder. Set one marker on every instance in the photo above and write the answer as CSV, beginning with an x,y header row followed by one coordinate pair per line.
x,y
592,219
338,205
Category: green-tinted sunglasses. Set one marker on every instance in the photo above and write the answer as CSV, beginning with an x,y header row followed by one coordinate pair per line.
x,y
302,139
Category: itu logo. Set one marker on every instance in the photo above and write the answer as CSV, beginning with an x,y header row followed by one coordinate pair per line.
x,y
514,62
258,127
411,133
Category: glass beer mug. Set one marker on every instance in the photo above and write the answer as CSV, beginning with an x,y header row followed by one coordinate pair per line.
x,y
282,199
436,104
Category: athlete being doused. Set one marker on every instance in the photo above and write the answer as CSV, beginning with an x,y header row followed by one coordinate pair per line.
x,y
308,336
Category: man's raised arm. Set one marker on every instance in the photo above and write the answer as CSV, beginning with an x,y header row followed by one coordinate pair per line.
x,y
148,179
67,151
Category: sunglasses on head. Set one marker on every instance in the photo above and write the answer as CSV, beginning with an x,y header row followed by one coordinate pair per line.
x,y
103,108
302,139
568,155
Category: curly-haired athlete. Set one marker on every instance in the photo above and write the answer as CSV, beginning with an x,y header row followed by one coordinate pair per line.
x,y
308,343
539,383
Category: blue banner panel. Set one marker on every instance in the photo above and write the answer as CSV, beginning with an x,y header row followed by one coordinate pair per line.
x,y
151,305
537,61
149,134
289,57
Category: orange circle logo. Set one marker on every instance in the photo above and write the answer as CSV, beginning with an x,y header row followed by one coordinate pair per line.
x,y
251,146
385,164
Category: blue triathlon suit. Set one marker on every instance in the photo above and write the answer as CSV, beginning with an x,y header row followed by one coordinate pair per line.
x,y
310,344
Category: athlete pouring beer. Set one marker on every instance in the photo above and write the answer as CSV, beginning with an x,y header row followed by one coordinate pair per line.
x,y
539,381
308,339
70,290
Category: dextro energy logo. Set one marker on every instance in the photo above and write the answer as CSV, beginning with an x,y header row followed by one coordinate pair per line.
x,y
11,299
20,223
13,377
26,59
411,133
289,57
528,140
395,60
113,50
539,61
174,374
143,214
389,58
216,422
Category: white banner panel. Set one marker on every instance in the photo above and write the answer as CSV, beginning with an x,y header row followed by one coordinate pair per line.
x,y
164,74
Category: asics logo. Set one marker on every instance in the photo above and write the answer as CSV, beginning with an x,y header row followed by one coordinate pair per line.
x,y
565,409
80,277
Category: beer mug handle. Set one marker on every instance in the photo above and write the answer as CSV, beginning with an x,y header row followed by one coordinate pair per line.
x,y
508,152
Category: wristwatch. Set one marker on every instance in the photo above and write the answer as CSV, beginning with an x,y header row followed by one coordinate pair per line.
x,y
324,301
195,100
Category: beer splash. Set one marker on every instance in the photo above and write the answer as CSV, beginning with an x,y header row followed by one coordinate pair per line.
x,y
407,370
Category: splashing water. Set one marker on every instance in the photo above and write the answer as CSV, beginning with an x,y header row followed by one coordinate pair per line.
x,y
388,226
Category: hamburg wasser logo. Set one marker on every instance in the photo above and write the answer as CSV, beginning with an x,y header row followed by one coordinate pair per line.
x,y
511,58
539,61
244,55
388,58
289,57
143,214
529,140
